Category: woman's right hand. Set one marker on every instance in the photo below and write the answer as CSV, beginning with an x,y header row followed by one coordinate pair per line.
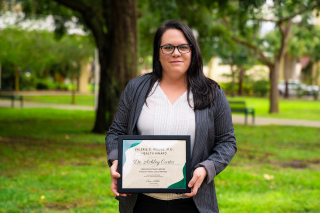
x,y
114,178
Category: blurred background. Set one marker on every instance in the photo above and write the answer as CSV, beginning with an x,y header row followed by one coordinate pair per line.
x,y
64,64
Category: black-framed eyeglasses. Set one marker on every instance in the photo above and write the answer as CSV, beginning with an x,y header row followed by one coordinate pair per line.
x,y
169,49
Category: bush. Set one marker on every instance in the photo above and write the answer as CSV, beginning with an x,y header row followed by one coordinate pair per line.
x,y
315,94
27,82
301,92
250,87
260,87
42,86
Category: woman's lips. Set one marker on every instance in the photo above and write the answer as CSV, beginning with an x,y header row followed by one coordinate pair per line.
x,y
175,62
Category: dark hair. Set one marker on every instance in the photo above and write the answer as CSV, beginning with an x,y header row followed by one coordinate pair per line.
x,y
202,88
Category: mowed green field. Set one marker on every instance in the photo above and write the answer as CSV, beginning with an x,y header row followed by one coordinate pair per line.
x,y
50,162
289,108
85,100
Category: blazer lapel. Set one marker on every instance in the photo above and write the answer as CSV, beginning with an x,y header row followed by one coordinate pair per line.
x,y
140,99
201,136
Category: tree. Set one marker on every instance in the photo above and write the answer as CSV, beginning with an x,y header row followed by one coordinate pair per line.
x,y
205,19
239,58
113,27
38,52
283,14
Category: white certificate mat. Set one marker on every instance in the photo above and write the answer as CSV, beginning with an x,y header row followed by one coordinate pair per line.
x,y
157,163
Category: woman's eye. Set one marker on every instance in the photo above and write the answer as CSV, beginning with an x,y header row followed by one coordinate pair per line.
x,y
168,48
183,47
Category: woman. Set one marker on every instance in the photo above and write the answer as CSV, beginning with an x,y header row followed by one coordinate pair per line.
x,y
176,99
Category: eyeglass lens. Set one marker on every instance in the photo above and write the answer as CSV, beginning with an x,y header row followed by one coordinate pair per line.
x,y
168,49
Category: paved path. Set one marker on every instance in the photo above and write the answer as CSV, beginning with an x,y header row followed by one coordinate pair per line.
x,y
278,121
238,119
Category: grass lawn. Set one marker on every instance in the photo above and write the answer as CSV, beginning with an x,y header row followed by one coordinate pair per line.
x,y
292,109
289,108
51,163
86,100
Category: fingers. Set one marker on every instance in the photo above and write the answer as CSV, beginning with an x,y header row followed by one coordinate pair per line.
x,y
192,181
114,170
114,187
114,179
192,193
198,176
194,189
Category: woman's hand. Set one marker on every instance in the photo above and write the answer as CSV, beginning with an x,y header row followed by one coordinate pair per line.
x,y
114,178
199,175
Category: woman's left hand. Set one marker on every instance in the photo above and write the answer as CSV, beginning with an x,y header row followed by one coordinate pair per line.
x,y
199,175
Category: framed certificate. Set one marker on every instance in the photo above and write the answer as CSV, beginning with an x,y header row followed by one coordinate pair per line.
x,y
154,164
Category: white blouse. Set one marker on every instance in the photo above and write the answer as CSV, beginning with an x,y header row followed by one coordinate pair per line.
x,y
160,117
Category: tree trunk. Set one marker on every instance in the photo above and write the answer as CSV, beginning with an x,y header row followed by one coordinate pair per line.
x,y
73,89
122,49
16,79
241,75
274,93
286,72
285,29
233,72
0,76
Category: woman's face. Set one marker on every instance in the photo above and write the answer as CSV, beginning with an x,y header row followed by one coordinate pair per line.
x,y
174,65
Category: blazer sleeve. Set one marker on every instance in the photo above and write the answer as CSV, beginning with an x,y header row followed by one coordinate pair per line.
x,y
119,125
225,142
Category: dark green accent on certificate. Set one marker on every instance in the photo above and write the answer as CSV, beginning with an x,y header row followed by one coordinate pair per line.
x,y
127,144
182,183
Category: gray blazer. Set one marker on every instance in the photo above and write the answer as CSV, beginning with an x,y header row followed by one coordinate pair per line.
x,y
215,143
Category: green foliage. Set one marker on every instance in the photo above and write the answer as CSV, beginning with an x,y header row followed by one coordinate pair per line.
x,y
260,87
315,94
256,88
35,9
301,92
201,16
51,163
39,54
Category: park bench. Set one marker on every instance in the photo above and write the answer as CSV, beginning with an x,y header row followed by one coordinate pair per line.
x,y
13,97
240,107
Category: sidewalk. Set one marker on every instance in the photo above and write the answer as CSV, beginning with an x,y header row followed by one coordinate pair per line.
x,y
237,119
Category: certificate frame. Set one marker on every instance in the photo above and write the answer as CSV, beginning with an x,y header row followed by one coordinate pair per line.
x,y
149,138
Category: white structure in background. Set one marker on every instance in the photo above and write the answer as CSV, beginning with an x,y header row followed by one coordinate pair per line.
x,y
220,73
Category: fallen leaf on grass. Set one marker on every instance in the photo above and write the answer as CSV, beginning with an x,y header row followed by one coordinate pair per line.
x,y
268,177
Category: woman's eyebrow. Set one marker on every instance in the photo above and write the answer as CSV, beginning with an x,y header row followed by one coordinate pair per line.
x,y
172,44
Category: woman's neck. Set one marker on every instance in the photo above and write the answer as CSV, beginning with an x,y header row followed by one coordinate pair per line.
x,y
176,84
173,88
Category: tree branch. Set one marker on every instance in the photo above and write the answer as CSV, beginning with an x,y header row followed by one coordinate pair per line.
x,y
291,16
297,13
270,20
74,5
262,57
90,18
285,30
